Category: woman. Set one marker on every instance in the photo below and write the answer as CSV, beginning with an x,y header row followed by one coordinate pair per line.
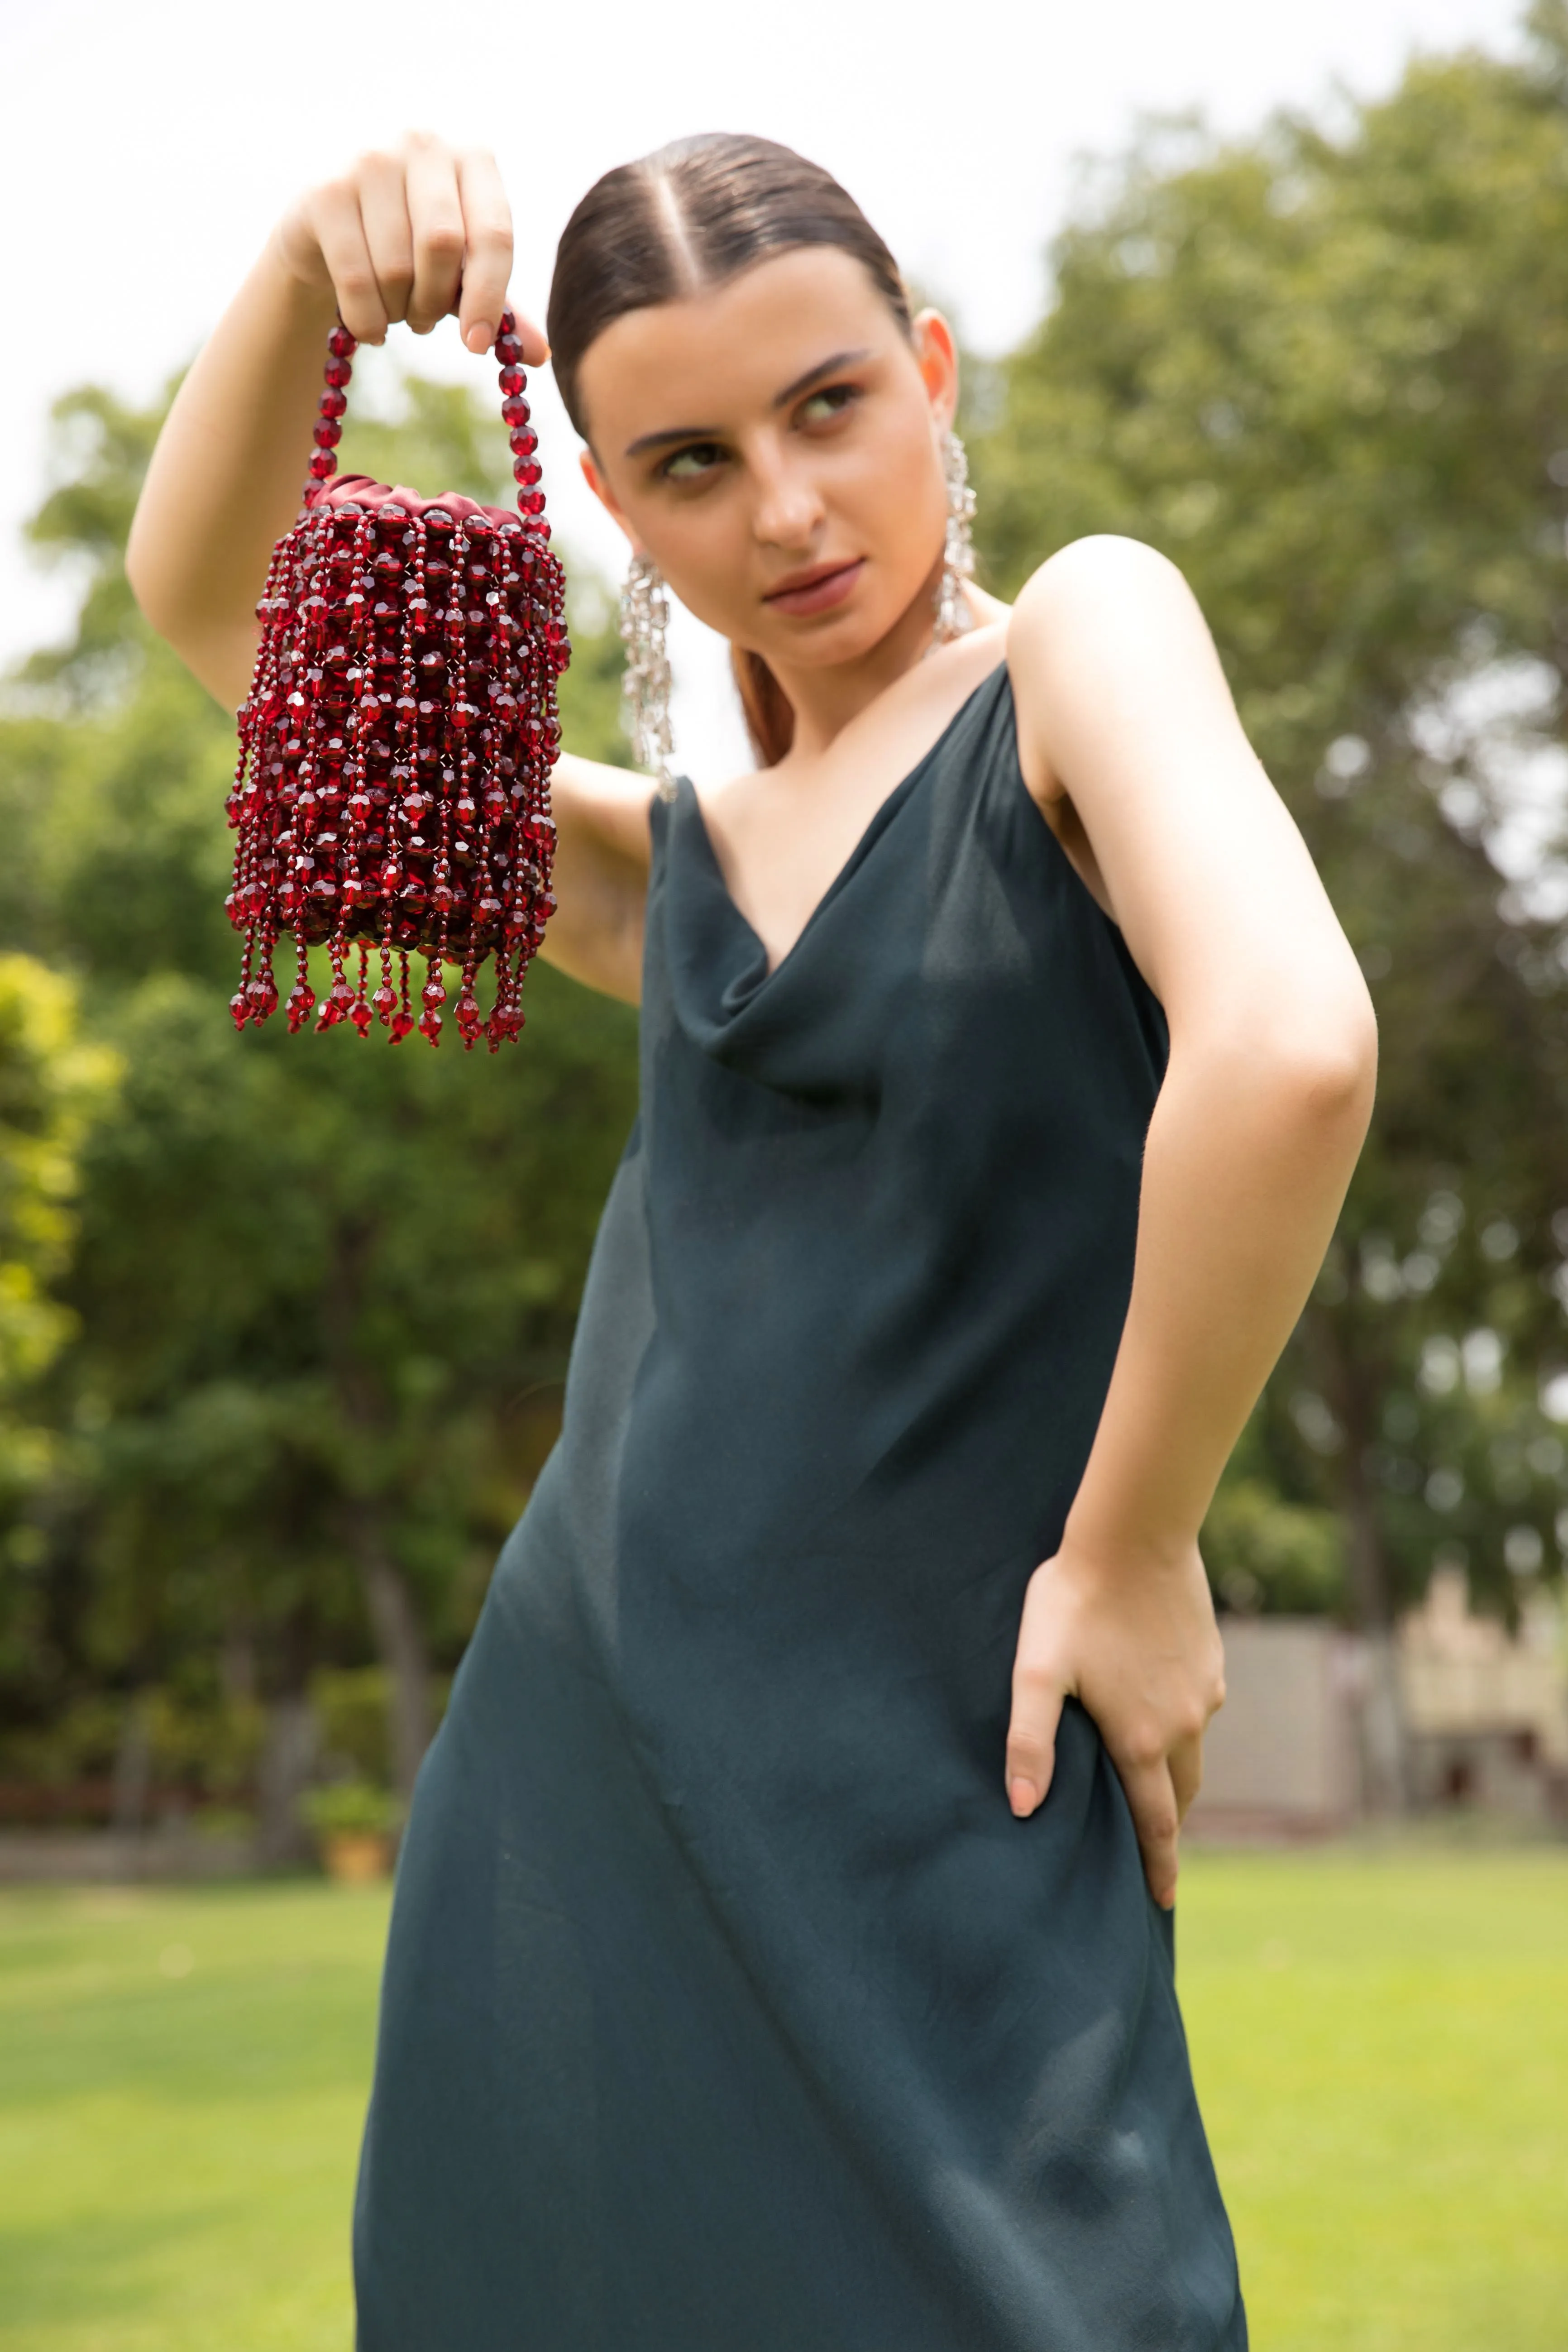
x,y
781,1956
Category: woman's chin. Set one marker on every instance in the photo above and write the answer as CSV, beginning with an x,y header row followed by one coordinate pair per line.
x,y
829,640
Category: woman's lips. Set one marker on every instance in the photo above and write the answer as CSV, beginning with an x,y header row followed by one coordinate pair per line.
x,y
817,592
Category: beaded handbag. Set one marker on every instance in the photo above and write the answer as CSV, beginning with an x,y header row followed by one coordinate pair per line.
x,y
393,791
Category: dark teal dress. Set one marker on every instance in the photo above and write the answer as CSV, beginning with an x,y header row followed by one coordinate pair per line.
x,y
727,2008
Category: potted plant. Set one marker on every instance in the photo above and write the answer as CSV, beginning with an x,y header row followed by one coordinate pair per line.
x,y
354,1823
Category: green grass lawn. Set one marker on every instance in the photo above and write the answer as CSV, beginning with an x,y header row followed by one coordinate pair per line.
x,y
1381,2043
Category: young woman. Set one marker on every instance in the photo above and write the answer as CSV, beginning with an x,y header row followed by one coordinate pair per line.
x,y
782,1958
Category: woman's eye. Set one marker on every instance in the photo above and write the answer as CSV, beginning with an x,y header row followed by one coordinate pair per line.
x,y
698,458
829,401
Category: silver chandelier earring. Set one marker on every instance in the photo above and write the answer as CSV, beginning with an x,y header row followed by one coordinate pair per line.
x,y
645,617
953,613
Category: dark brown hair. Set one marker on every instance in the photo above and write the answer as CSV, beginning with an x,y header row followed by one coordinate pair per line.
x,y
690,216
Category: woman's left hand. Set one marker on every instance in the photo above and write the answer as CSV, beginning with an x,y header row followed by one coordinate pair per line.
x,y
1135,1641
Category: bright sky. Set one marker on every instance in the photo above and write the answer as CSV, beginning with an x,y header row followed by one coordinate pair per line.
x,y
151,147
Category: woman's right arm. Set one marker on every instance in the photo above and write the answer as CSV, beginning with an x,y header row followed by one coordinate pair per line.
x,y
410,235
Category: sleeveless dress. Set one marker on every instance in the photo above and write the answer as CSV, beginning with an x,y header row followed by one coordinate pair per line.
x,y
727,2008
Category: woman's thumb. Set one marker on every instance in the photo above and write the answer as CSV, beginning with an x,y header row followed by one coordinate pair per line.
x,y
1032,1738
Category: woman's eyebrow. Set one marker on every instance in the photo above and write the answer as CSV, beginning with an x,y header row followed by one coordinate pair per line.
x,y
815,375
781,400
672,433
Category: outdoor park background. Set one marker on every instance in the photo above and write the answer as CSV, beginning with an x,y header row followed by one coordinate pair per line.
x,y
283,1324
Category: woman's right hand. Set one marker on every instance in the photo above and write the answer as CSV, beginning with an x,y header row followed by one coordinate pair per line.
x,y
406,234
410,233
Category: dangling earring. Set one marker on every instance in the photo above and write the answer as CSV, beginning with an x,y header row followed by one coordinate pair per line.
x,y
953,613
645,617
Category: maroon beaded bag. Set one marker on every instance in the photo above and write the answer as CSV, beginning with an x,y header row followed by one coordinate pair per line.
x,y
393,792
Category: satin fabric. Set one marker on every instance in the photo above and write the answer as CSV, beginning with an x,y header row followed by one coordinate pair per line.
x,y
727,2008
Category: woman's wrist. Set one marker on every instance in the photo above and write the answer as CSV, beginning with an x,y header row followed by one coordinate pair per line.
x,y
1118,1546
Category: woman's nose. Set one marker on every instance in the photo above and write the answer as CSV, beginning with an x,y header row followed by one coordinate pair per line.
x,y
788,506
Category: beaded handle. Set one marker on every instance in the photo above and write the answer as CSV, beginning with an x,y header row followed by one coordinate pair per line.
x,y
514,408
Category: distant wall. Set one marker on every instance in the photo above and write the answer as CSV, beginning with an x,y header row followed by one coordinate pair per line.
x,y
1282,1755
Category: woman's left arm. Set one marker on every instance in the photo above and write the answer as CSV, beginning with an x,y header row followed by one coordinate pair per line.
x,y
1124,713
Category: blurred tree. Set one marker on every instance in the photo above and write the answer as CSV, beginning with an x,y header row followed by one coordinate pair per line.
x,y
52,1085
1329,376
322,1298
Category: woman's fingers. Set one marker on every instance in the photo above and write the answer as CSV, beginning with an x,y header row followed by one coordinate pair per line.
x,y
338,226
1186,1761
1038,1696
1156,1817
436,225
487,261
413,234
388,231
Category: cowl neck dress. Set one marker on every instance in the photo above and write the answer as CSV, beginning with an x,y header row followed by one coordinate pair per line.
x,y
727,2008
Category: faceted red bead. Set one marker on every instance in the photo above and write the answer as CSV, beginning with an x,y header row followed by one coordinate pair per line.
x,y
508,349
433,994
327,433
342,716
341,344
430,1025
528,471
301,1002
338,374
239,1008
323,466
514,409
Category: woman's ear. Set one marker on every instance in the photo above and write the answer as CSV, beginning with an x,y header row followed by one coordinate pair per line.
x,y
937,356
596,483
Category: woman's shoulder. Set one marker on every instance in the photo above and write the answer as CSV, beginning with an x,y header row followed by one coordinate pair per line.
x,y
1097,617
1096,576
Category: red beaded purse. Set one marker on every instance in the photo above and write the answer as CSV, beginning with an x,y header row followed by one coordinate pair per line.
x,y
393,791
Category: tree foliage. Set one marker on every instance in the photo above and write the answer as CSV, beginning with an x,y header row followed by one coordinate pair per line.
x,y
52,1085
291,1316
321,1300
1329,376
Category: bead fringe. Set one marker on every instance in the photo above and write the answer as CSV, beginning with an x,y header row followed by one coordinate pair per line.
x,y
393,790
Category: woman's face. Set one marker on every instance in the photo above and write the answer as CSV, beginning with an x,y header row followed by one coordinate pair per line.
x,y
774,444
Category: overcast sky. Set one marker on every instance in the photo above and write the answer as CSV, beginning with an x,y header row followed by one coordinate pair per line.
x,y
145,150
